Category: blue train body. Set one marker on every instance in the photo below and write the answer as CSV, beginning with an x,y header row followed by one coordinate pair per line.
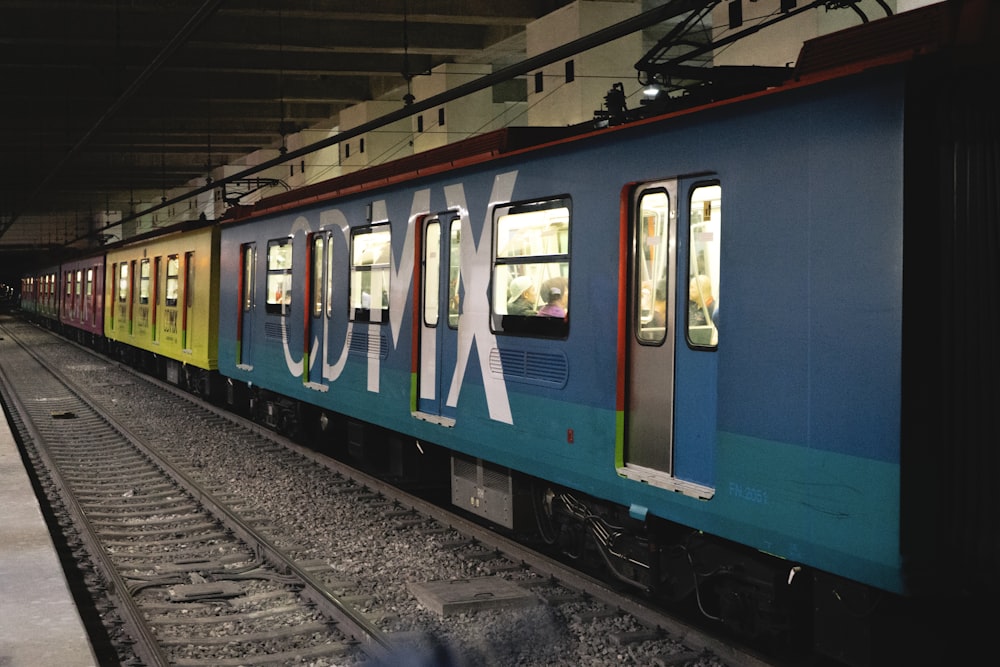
x,y
792,442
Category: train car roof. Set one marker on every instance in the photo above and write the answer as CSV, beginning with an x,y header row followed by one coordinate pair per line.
x,y
968,29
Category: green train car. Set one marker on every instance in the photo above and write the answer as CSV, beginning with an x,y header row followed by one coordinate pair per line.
x,y
161,314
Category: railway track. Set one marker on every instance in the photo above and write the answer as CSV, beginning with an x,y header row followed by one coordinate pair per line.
x,y
194,584
315,564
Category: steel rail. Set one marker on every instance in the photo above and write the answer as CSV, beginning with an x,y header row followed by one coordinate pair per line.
x,y
372,640
146,646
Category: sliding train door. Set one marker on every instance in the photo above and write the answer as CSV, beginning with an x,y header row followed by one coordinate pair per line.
x,y
318,296
439,310
671,389
649,434
246,308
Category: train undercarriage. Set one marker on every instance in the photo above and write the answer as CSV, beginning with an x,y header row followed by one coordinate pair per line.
x,y
759,598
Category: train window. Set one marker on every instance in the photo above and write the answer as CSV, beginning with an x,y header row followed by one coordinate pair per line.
x,y
69,283
123,282
78,285
316,288
531,268
652,258
144,281
173,285
279,276
454,271
432,272
90,283
703,273
371,251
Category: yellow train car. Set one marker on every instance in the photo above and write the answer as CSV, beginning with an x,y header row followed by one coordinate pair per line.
x,y
162,305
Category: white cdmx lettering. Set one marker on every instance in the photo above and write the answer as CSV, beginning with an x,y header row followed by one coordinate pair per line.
x,y
399,287
473,324
294,367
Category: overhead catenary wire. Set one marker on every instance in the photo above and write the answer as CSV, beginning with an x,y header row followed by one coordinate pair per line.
x,y
664,12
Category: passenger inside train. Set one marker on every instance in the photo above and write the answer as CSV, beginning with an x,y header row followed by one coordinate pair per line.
x,y
702,308
523,296
554,293
703,311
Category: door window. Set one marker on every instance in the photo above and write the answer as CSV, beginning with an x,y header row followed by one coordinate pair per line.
x,y
652,317
705,211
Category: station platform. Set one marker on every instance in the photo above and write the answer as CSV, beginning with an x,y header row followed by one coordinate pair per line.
x,y
39,620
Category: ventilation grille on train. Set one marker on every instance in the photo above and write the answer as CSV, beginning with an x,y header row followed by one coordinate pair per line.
x,y
362,343
274,331
545,368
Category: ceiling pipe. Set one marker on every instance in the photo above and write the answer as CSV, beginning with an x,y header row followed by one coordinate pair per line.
x,y
662,13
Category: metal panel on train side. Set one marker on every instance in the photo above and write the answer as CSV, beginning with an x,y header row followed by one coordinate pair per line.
x,y
806,419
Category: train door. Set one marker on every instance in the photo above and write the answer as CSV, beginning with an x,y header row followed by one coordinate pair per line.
x,y
188,299
671,387
111,300
67,309
319,286
439,310
154,310
121,301
89,297
79,305
133,296
171,292
245,312
145,279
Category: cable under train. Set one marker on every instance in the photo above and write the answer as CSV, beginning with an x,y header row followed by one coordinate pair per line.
x,y
742,353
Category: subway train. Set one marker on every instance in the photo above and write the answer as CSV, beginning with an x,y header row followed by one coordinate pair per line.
x,y
741,354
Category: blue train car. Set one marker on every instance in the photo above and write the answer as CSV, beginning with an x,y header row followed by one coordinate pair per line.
x,y
707,337
348,305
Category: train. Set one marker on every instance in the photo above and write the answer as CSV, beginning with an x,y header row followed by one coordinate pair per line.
x,y
740,353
